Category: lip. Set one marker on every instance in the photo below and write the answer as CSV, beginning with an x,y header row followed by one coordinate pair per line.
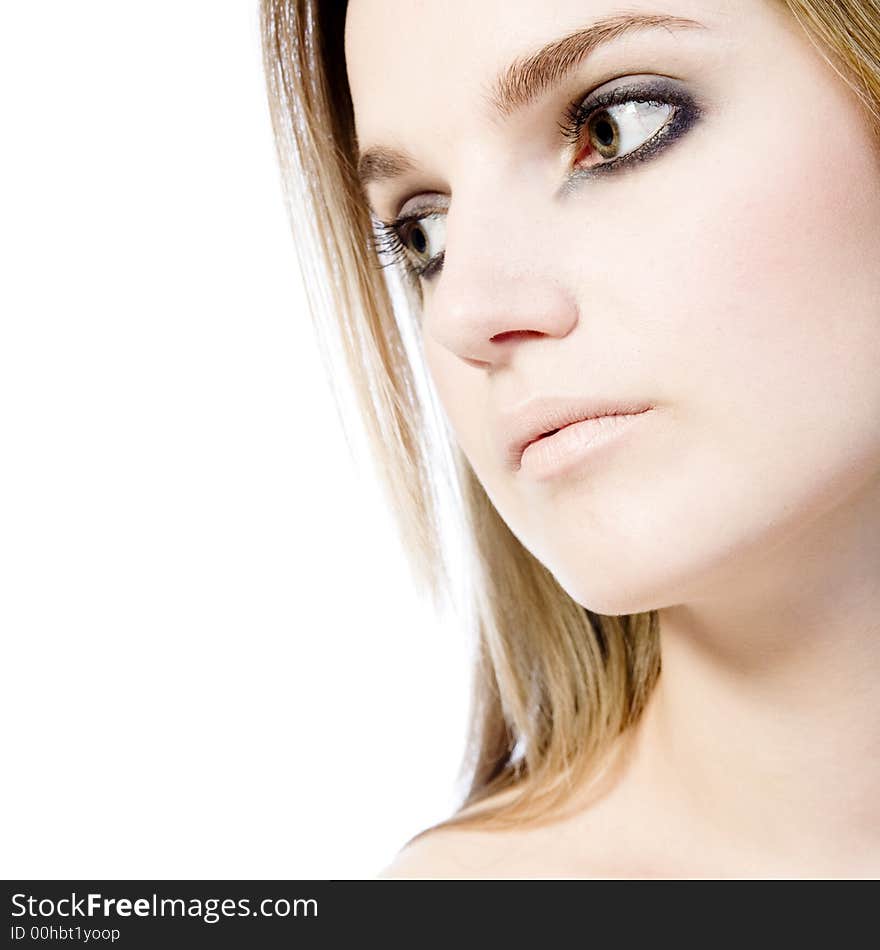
x,y
564,451
535,420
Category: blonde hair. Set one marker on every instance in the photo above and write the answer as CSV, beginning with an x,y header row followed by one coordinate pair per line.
x,y
554,684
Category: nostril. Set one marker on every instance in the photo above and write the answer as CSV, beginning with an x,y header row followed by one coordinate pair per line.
x,y
499,337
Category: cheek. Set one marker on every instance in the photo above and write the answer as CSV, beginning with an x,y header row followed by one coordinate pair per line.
x,y
780,293
764,338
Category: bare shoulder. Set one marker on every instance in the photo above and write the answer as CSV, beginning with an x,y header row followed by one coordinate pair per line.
x,y
469,852
430,857
447,853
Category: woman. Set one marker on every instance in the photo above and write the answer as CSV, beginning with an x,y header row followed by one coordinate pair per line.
x,y
638,252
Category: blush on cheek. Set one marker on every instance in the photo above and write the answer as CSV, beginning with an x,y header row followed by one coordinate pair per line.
x,y
776,295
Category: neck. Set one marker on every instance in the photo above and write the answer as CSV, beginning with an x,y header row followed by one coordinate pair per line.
x,y
763,731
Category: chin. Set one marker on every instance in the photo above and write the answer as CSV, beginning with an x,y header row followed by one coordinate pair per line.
x,y
613,601
622,587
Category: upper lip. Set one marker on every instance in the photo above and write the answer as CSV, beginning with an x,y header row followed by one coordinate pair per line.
x,y
533,419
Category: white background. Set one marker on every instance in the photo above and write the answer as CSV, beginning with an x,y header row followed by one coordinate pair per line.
x,y
213,661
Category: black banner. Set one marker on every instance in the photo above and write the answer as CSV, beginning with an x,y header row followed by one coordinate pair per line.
x,y
341,914
265,914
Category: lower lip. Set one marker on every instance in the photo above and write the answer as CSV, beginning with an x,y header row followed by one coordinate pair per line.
x,y
559,453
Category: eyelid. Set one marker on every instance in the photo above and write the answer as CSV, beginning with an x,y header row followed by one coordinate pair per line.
x,y
425,203
688,110
654,87
417,215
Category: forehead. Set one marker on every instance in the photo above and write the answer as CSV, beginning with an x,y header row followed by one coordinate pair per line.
x,y
410,58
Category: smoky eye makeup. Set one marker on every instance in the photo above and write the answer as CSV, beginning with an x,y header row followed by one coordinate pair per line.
x,y
616,127
594,123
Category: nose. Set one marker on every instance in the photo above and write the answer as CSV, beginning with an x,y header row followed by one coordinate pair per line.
x,y
501,285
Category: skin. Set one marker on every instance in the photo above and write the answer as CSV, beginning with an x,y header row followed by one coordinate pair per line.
x,y
733,282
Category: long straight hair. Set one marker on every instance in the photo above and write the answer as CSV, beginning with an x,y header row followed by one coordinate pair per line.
x,y
553,684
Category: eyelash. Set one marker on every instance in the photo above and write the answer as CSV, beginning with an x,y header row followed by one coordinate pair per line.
x,y
661,92
389,239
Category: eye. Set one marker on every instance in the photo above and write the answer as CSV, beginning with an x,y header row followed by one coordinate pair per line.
x,y
416,240
627,124
423,238
616,131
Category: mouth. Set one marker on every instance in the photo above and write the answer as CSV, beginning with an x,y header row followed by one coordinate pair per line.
x,y
573,418
545,435
560,450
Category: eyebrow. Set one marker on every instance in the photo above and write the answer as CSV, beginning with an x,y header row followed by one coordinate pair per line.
x,y
528,77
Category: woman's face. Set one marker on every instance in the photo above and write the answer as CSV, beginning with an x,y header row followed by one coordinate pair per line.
x,y
730,280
